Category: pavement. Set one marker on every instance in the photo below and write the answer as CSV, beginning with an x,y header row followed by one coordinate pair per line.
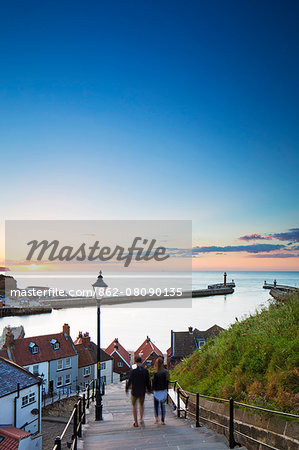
x,y
116,431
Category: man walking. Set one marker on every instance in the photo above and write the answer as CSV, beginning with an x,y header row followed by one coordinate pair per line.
x,y
139,382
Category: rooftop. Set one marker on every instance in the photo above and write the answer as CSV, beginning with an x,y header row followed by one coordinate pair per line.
x,y
11,374
20,350
186,342
115,346
146,349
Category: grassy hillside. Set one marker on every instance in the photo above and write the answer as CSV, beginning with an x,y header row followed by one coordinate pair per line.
x,y
256,360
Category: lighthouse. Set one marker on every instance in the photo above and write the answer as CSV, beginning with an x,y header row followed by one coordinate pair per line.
x,y
224,281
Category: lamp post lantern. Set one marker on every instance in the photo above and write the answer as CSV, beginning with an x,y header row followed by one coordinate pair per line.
x,y
99,288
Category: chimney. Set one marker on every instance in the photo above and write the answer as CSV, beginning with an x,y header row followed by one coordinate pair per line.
x,y
9,338
80,335
148,339
190,330
66,329
85,339
116,343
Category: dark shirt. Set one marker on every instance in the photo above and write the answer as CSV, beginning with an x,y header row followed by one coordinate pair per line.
x,y
139,381
160,380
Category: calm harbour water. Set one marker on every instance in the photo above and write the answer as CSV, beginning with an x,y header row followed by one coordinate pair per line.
x,y
132,324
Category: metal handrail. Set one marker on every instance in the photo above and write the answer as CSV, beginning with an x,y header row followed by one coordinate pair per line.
x,y
232,443
78,416
244,405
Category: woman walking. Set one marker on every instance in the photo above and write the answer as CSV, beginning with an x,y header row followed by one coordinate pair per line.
x,y
159,388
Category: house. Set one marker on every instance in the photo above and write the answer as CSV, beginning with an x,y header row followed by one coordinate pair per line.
x,y
87,361
148,352
184,343
12,438
7,284
20,406
53,357
121,358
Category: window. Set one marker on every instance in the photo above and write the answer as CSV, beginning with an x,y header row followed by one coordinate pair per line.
x,y
103,366
148,363
27,399
55,344
86,371
59,364
35,369
33,348
67,362
59,381
68,379
119,364
201,342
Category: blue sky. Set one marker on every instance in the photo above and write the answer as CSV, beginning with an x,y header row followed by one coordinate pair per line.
x,y
141,110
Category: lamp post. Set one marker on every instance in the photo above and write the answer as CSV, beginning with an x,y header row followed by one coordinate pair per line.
x,y
99,288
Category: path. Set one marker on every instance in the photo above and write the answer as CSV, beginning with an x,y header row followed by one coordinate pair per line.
x,y
116,431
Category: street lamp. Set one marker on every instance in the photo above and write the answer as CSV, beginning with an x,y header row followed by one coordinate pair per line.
x,y
99,288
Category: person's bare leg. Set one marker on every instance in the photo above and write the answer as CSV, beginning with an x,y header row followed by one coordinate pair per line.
x,y
141,411
134,409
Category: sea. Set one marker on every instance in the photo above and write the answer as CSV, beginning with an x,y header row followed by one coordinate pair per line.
x,y
132,323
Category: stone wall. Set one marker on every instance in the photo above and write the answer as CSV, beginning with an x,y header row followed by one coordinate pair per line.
x,y
60,408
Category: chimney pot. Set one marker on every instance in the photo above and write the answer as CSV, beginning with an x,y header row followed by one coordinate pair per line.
x,y
9,338
190,330
66,329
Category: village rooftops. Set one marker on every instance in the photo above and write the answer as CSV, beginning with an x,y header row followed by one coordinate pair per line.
x,y
37,349
11,374
116,347
183,343
146,349
87,351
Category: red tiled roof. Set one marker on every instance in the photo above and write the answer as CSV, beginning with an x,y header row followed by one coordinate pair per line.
x,y
120,350
146,349
13,432
12,437
9,444
23,356
84,356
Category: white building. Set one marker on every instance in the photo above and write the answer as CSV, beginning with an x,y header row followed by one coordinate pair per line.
x,y
20,401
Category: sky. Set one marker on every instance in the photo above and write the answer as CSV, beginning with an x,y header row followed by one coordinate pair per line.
x,y
156,110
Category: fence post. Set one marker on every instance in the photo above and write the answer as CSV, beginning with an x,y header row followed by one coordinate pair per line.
x,y
75,427
178,402
80,418
197,410
58,443
88,396
93,384
84,410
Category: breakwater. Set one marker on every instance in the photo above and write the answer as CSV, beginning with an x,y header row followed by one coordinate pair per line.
x,y
79,302
7,311
49,303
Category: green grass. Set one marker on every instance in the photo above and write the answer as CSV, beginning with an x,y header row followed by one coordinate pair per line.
x,y
256,360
